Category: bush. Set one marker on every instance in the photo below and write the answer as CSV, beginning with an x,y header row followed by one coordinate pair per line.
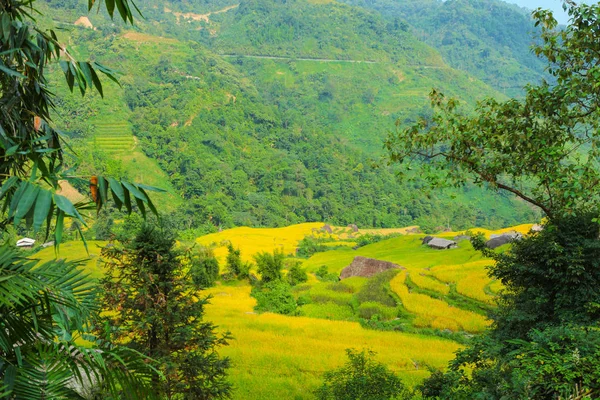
x,y
328,311
323,275
309,246
204,269
362,378
234,261
269,265
370,309
296,274
377,289
275,296
366,239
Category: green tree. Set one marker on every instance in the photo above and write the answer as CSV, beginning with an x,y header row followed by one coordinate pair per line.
x,y
204,268
270,265
275,296
152,304
41,310
233,262
544,150
362,378
296,274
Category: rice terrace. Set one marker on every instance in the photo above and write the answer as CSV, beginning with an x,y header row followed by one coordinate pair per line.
x,y
299,199
428,308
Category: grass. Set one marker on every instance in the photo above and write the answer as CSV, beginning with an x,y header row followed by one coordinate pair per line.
x,y
280,357
75,251
427,282
252,241
434,313
470,278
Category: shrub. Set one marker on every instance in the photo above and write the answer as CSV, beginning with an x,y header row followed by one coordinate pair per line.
x,y
376,289
269,265
234,260
296,274
328,311
370,309
362,378
323,274
204,268
275,296
309,246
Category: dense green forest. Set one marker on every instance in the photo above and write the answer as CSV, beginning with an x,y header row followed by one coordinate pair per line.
x,y
245,140
490,39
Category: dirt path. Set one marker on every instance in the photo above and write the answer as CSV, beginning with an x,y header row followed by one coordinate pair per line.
x,y
329,60
200,17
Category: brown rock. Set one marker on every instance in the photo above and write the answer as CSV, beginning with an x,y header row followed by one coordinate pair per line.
x,y
367,267
327,228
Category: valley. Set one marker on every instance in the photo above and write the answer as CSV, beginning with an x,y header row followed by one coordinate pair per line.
x,y
299,199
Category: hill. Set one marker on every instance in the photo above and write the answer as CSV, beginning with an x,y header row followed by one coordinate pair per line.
x,y
412,318
248,125
489,39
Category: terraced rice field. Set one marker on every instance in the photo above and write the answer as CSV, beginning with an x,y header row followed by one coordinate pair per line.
x,y
434,313
114,137
440,293
280,357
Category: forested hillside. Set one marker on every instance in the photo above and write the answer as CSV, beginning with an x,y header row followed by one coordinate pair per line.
x,y
490,39
266,113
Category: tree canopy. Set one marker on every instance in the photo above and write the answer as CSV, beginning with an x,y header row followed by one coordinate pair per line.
x,y
543,148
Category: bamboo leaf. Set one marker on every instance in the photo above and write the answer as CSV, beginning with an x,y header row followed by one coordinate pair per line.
x,y
42,208
117,189
67,207
26,201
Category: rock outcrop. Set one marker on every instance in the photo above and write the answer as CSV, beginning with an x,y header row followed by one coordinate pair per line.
x,y
426,239
367,267
441,244
502,239
327,228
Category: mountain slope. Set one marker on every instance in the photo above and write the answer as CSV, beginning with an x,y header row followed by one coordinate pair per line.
x,y
488,38
270,142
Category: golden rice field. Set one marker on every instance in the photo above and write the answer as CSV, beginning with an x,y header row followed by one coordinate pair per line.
x,y
75,251
427,282
255,240
281,357
470,278
434,313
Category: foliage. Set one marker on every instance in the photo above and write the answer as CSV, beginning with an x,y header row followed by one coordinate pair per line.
x,y
269,265
32,157
103,226
377,289
41,311
296,274
488,38
150,303
232,118
275,296
544,335
552,132
362,378
323,274
233,263
204,268
42,307
310,245
368,238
